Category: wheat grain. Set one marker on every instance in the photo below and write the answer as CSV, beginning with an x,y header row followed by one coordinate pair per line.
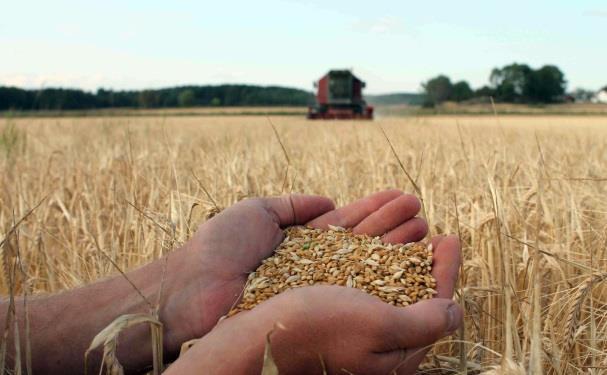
x,y
397,274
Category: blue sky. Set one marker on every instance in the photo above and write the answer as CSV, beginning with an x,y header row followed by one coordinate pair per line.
x,y
393,45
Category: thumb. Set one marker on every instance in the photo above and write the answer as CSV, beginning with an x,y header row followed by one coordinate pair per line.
x,y
296,209
424,323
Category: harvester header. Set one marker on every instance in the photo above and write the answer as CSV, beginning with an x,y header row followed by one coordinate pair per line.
x,y
339,96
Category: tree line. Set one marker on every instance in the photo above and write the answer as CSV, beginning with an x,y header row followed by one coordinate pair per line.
x,y
514,83
13,98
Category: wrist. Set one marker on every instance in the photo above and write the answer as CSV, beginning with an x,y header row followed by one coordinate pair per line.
x,y
234,346
193,300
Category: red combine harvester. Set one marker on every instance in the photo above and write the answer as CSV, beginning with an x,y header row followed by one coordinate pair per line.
x,y
340,97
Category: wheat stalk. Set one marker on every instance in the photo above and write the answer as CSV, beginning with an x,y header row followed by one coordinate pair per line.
x,y
151,166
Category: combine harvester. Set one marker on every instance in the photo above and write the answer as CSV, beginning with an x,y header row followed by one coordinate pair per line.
x,y
339,97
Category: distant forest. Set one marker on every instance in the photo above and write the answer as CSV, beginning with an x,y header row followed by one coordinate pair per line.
x,y
13,98
514,83
396,99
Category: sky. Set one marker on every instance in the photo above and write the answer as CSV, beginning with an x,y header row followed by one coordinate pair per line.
x,y
392,45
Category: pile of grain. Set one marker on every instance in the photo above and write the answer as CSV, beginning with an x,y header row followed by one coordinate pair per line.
x,y
398,274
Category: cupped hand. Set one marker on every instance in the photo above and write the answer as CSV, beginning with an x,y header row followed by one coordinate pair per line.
x,y
206,277
339,329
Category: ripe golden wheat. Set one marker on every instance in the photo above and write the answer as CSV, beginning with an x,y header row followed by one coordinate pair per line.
x,y
527,195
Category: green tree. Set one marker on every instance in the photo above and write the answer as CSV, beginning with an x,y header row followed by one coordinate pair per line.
x,y
437,89
510,82
186,98
461,91
224,95
484,92
582,95
545,85
148,99
518,83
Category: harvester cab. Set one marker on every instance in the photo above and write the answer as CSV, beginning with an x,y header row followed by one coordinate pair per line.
x,y
339,96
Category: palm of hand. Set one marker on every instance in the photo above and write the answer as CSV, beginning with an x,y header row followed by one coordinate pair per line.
x,y
233,243
353,330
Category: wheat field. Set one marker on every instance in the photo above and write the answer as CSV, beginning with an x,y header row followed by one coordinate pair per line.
x,y
527,195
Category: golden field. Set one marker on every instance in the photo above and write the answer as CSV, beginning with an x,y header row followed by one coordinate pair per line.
x,y
528,196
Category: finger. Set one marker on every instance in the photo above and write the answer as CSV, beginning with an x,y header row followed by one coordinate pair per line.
x,y
444,270
420,324
349,216
436,240
410,231
446,263
296,209
389,216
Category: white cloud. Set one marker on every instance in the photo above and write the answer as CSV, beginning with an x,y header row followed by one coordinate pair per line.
x,y
382,25
597,13
37,81
223,75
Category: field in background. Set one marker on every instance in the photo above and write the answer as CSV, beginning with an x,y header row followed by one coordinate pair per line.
x,y
528,195
450,108
162,112
381,111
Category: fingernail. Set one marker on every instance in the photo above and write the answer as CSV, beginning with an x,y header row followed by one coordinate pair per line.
x,y
454,314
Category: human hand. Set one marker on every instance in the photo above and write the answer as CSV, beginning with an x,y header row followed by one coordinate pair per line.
x,y
206,276
333,328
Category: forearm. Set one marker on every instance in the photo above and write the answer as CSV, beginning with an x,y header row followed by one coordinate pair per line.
x,y
62,326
